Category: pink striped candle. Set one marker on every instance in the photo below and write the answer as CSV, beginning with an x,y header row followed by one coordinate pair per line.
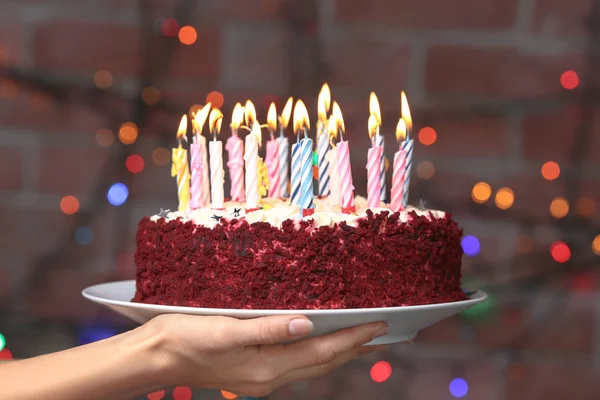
x,y
374,176
235,149
345,171
272,162
400,167
197,153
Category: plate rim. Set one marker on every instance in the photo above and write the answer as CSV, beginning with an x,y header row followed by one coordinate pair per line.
x,y
478,296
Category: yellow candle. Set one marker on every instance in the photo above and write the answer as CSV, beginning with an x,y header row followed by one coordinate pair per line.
x,y
180,167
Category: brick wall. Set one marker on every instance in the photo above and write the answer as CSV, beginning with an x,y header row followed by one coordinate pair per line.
x,y
484,74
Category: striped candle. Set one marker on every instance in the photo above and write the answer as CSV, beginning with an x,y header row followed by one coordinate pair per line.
x,y
407,146
181,171
373,176
284,165
380,141
272,162
334,186
235,149
306,184
296,170
197,200
398,177
217,174
322,162
251,160
205,172
345,172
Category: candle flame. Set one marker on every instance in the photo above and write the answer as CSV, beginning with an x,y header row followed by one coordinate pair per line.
x,y
215,120
284,120
339,119
237,116
249,114
181,131
324,102
374,107
405,111
255,130
200,118
272,117
300,117
401,130
373,124
332,127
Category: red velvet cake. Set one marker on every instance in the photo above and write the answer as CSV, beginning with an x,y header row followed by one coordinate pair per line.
x,y
270,259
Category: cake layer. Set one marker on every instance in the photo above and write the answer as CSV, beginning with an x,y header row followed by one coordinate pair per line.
x,y
377,259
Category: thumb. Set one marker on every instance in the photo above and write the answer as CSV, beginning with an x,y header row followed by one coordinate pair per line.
x,y
270,330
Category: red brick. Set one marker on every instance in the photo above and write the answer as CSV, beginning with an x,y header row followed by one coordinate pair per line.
x,y
11,165
71,170
437,14
199,60
499,72
81,45
560,18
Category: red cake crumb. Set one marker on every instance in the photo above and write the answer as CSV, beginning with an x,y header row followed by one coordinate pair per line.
x,y
380,263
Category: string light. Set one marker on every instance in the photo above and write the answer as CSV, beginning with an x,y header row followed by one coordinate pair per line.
x,y
559,207
117,194
228,395
161,156
151,95
427,136
84,235
105,137
425,170
550,170
216,99
103,79
182,393
169,27
585,206
381,371
481,192
560,252
596,245
128,133
505,198
156,395
470,245
458,387
134,163
2,342
69,205
187,35
569,80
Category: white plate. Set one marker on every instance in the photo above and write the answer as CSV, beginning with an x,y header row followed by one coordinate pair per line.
x,y
404,322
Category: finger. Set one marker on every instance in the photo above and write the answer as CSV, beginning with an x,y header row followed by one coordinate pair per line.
x,y
269,330
324,349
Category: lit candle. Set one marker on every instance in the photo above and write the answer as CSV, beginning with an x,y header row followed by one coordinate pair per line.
x,y
398,174
284,149
407,145
180,167
272,156
373,166
344,167
197,155
379,141
217,174
296,161
305,150
252,142
334,186
235,149
323,140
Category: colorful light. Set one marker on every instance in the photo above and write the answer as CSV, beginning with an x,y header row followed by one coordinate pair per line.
x,y
425,170
559,207
103,79
480,310
381,371
481,192
117,194
91,334
69,205
228,395
585,206
2,342
458,387
560,252
161,156
187,35
216,99
84,235
151,95
569,80
6,354
128,133
156,395
596,245
169,27
427,136
182,393
105,137
470,245
505,198
550,170
134,163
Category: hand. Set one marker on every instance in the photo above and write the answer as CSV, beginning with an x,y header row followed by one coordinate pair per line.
x,y
246,357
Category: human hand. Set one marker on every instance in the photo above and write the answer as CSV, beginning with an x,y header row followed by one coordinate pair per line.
x,y
246,357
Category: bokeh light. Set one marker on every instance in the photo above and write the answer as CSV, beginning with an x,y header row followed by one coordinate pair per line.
x,y
117,194
569,80
550,170
228,395
69,205
2,342
505,198
560,252
559,207
103,79
151,95
105,137
470,245
215,98
182,393
381,371
94,333
481,192
6,354
169,27
187,35
84,235
161,156
585,206
596,245
458,387
128,133
134,163
156,395
427,136
481,310
425,170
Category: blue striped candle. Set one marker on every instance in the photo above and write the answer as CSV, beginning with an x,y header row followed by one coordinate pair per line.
x,y
408,146
323,162
296,169
307,192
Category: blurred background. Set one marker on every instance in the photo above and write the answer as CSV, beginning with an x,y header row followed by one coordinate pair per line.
x,y
506,111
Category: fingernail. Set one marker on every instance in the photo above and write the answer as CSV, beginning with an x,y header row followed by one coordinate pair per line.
x,y
381,332
300,327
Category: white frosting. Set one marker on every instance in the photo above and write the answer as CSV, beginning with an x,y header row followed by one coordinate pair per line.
x,y
276,211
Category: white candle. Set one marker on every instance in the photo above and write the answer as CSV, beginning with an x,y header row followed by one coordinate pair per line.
x,y
251,162
217,174
205,177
